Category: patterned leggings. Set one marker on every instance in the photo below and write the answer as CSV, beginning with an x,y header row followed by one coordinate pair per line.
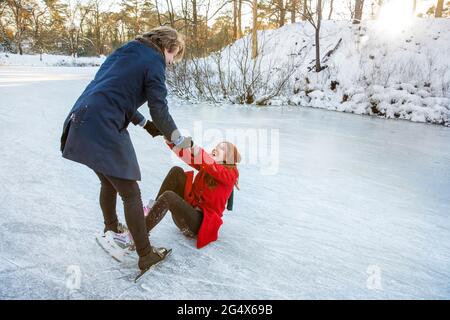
x,y
170,197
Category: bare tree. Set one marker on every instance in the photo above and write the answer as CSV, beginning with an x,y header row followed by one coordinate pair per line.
x,y
195,25
37,18
317,34
4,21
171,13
134,13
97,24
439,9
304,13
21,13
76,14
158,13
185,13
315,19
280,7
240,19
231,74
235,19
284,75
351,8
331,9
208,16
359,4
293,8
254,29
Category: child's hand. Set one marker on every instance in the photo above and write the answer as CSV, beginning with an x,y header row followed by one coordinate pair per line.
x,y
186,143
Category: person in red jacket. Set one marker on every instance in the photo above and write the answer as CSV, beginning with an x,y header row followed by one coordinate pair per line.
x,y
197,204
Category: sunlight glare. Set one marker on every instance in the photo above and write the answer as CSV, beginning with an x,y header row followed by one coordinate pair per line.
x,y
395,16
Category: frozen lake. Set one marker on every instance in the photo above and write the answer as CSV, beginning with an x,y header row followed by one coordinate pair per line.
x,y
350,207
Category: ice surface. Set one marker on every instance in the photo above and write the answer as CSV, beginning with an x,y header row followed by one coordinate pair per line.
x,y
354,200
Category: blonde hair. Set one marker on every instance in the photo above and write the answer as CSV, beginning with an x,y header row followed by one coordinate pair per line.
x,y
232,155
232,158
164,37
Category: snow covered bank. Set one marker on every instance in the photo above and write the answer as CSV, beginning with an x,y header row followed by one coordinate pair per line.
x,y
369,69
9,59
392,71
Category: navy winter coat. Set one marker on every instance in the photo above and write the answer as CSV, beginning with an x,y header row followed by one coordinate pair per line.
x,y
95,131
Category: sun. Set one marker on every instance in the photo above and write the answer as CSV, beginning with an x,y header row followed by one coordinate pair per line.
x,y
395,16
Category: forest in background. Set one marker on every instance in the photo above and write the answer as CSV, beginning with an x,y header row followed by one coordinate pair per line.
x,y
95,27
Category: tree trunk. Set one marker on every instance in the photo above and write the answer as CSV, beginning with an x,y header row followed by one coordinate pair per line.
x,y
293,9
239,16
317,35
171,13
439,9
254,31
305,10
331,9
359,4
195,28
184,9
158,14
235,22
18,9
414,6
137,27
97,31
282,11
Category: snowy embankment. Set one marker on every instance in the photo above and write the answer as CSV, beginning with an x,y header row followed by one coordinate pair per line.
x,y
47,60
392,71
396,71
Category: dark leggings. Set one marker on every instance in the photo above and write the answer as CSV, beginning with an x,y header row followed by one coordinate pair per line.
x,y
132,203
170,197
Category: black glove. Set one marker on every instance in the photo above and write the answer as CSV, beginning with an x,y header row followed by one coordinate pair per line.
x,y
152,129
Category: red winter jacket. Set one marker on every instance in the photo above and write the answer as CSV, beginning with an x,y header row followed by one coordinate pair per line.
x,y
213,200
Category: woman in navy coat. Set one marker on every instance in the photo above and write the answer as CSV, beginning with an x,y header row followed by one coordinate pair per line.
x,y
95,131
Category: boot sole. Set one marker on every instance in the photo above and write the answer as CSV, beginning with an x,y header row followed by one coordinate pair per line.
x,y
143,272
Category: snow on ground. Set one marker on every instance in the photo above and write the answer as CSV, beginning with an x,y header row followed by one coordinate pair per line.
x,y
353,200
10,59
391,69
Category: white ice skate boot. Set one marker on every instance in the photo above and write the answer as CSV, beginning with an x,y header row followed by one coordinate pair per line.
x,y
124,240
